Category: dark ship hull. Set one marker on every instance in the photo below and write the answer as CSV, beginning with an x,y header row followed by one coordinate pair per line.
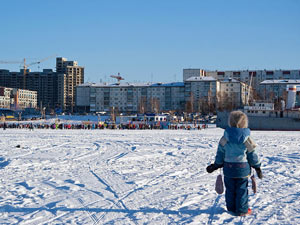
x,y
281,121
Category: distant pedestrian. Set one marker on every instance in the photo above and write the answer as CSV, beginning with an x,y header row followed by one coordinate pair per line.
x,y
237,154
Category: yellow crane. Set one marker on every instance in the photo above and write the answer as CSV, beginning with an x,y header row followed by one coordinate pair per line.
x,y
25,65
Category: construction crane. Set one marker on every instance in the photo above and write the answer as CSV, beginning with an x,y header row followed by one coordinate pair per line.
x,y
249,89
25,66
119,78
10,62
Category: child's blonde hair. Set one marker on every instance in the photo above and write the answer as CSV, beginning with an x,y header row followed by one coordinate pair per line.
x,y
238,119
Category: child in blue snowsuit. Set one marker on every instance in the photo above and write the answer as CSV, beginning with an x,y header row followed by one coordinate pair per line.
x,y
236,154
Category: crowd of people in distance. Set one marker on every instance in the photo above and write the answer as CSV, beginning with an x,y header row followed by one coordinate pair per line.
x,y
94,126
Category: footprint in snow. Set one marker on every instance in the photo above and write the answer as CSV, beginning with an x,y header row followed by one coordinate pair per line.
x,y
25,185
70,181
73,182
63,188
80,185
52,204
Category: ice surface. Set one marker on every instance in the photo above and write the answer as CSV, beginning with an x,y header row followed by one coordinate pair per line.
x,y
137,177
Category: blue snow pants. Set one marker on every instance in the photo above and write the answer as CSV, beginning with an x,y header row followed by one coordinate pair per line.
x,y
236,194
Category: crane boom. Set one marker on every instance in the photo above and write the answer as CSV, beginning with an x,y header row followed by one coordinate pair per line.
x,y
118,77
42,60
25,65
249,89
10,62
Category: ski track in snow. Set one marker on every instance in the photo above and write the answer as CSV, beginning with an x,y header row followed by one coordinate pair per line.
x,y
138,177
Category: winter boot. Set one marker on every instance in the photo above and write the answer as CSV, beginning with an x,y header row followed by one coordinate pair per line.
x,y
247,213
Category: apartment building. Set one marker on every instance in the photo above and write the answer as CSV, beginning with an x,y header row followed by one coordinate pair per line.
x,y
201,93
105,97
54,89
275,89
196,94
25,98
172,95
5,98
72,75
12,98
44,83
233,94
130,97
255,77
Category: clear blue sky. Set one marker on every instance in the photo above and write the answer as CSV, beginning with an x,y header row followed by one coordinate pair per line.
x,y
152,40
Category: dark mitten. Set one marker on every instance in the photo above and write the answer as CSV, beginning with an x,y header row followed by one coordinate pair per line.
x,y
211,168
259,173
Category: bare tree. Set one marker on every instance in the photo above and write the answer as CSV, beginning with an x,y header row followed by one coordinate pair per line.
x,y
256,96
211,102
228,102
143,105
189,105
154,105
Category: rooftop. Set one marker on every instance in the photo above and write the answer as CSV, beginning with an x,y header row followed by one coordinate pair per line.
x,y
281,82
127,84
201,79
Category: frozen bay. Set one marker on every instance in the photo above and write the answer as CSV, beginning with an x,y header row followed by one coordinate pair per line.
x,y
138,177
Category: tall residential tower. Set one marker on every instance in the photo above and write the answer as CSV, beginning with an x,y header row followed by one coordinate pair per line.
x,y
70,75
54,89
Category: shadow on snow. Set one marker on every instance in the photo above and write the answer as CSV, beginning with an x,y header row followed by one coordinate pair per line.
x,y
8,208
3,163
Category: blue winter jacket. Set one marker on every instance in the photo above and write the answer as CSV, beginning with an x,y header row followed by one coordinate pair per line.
x,y
233,154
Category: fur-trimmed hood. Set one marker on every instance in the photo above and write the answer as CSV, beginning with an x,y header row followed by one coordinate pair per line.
x,y
238,119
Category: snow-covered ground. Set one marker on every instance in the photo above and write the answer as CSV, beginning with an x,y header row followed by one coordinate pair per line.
x,y
137,177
